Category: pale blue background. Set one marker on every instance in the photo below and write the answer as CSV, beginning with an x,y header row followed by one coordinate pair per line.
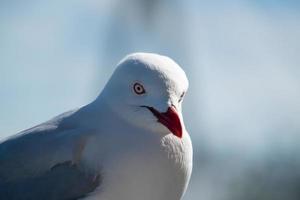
x,y
242,59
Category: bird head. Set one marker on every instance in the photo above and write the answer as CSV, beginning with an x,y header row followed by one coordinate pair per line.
x,y
147,90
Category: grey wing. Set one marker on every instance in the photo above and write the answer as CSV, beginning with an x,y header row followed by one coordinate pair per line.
x,y
44,163
64,181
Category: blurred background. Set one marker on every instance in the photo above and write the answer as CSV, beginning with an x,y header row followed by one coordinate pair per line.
x,y
242,59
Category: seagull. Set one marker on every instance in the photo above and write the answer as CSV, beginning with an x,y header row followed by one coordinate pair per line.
x,y
130,143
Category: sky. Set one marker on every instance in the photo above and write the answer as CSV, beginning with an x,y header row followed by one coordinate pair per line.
x,y
241,58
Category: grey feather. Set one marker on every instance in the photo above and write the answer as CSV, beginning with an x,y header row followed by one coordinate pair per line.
x,y
64,181
38,162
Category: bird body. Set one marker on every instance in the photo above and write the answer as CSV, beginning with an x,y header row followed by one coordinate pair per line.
x,y
130,143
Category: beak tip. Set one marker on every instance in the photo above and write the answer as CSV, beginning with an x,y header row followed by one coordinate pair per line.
x,y
170,119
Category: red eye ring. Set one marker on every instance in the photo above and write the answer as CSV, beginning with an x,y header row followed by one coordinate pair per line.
x,y
138,89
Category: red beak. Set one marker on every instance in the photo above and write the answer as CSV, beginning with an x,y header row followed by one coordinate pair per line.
x,y
169,119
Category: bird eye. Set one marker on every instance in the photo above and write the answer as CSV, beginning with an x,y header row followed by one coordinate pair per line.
x,y
139,88
181,97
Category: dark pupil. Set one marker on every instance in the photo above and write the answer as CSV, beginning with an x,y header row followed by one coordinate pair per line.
x,y
138,88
